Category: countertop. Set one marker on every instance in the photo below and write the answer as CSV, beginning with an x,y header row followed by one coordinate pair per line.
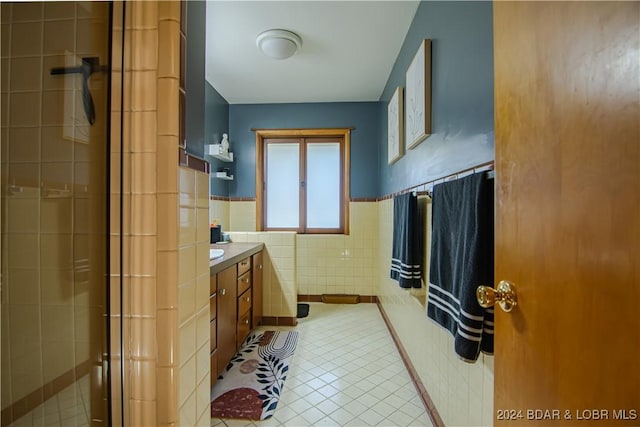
x,y
233,254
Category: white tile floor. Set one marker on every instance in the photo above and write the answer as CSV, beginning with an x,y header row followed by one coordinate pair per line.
x,y
68,408
346,371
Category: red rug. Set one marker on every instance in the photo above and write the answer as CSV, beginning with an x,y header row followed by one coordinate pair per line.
x,y
250,386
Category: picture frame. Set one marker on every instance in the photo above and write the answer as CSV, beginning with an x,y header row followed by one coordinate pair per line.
x,y
418,97
395,144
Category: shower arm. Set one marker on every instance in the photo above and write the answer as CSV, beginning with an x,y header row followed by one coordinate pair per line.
x,y
89,66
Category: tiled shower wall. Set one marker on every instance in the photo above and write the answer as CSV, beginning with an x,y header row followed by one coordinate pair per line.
x,y
52,181
461,392
164,228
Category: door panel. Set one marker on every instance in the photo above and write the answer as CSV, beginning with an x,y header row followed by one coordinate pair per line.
x,y
567,93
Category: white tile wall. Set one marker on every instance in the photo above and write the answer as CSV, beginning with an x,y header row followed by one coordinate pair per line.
x,y
462,392
341,264
280,293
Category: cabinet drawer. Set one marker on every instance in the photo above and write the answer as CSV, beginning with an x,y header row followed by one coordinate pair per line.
x,y
244,282
213,335
244,266
244,327
213,306
244,303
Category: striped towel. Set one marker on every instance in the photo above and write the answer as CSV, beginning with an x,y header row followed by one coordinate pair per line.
x,y
406,256
461,260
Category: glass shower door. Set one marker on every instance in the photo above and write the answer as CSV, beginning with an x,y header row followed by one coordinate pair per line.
x,y
55,145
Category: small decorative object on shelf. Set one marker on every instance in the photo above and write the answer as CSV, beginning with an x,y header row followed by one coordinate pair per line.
x,y
224,144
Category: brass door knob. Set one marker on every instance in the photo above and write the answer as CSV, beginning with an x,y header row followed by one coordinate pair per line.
x,y
504,294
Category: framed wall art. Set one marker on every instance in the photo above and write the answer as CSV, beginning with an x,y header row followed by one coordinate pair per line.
x,y
395,145
418,96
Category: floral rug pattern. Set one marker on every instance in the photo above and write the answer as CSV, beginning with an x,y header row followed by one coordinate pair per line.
x,y
251,384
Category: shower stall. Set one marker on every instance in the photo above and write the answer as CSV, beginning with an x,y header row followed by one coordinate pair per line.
x,y
60,329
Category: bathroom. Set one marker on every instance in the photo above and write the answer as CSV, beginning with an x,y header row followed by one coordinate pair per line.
x,y
156,367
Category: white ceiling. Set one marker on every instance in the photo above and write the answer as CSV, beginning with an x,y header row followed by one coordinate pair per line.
x,y
348,51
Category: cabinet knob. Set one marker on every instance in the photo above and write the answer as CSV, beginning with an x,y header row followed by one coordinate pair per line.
x,y
245,321
223,291
260,267
247,299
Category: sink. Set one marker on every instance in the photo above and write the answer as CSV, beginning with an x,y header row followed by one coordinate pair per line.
x,y
215,253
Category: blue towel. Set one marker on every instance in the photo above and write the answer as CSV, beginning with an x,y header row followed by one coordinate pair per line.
x,y
406,256
461,260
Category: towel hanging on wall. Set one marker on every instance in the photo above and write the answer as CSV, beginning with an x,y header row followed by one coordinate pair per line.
x,y
406,256
462,259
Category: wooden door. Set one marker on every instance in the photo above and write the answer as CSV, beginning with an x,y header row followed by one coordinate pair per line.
x,y
227,316
567,93
256,288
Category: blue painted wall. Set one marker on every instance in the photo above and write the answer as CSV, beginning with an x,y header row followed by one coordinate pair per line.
x,y
364,116
462,94
195,82
216,123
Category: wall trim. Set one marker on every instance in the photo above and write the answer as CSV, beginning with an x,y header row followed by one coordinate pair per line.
x,y
364,199
34,399
425,186
242,199
417,382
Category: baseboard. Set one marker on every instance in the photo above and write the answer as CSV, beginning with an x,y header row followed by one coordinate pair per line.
x,y
318,298
417,382
34,399
278,321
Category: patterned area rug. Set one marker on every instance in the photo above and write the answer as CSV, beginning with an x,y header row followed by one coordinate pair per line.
x,y
250,386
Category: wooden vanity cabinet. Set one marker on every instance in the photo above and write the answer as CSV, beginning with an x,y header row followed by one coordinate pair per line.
x,y
235,307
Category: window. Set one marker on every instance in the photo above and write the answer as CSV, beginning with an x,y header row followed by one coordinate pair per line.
x,y
302,180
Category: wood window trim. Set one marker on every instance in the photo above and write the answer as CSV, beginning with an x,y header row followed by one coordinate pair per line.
x,y
262,134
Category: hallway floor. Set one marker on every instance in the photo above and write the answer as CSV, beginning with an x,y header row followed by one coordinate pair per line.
x,y
346,371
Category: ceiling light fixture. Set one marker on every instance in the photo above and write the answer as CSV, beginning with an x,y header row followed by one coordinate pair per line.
x,y
278,44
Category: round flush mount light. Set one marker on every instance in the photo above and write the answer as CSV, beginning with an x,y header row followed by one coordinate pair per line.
x,y
278,44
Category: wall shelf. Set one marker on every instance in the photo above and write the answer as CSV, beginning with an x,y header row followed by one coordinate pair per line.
x,y
215,150
223,176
